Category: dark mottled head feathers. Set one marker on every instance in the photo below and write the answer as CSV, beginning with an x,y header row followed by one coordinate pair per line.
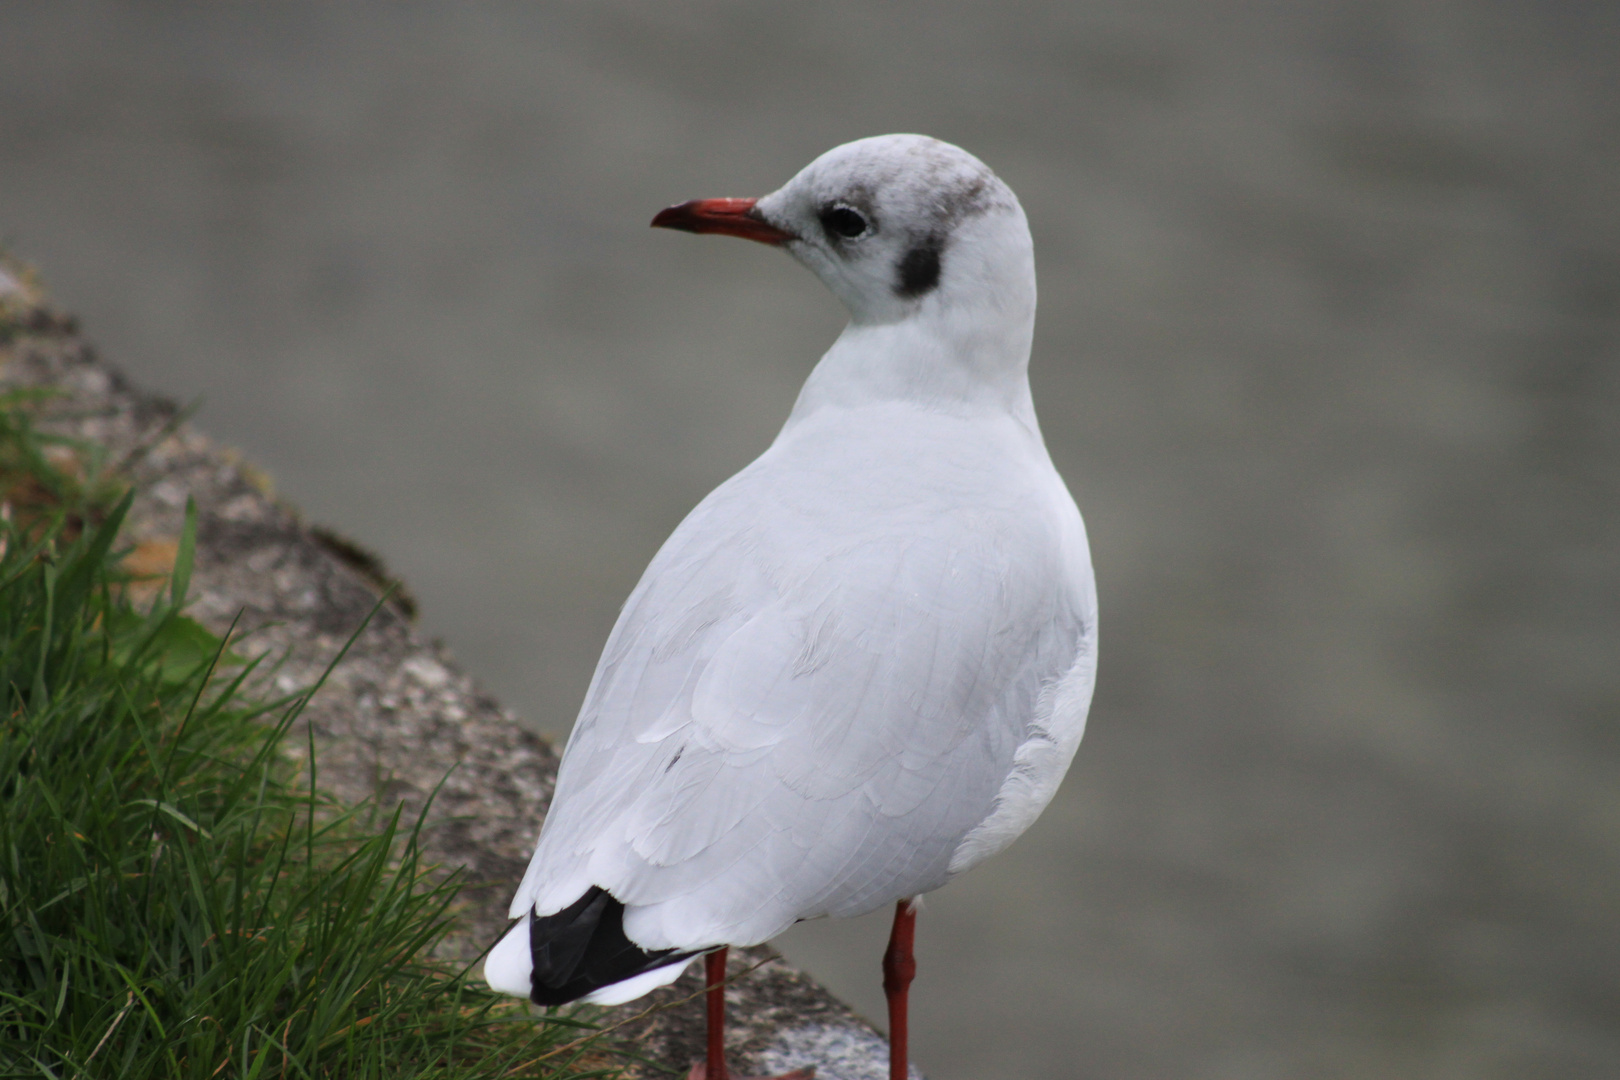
x,y
895,223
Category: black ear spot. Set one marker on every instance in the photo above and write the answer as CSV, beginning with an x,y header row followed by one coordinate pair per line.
x,y
918,269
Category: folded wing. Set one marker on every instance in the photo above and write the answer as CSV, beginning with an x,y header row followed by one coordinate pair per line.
x,y
794,718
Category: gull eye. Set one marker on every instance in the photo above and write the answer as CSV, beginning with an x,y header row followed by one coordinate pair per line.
x,y
843,222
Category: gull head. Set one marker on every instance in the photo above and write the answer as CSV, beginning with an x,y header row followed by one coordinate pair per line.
x,y
899,227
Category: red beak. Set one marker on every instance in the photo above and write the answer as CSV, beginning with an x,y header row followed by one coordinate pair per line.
x,y
730,217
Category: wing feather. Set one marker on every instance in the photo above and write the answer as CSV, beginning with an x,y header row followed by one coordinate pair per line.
x,y
816,691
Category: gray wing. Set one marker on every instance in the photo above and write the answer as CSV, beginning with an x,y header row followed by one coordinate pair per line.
x,y
801,714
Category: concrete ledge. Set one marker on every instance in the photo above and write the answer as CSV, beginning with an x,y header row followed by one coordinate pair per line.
x,y
398,713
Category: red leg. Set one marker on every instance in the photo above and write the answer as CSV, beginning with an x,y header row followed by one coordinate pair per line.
x,y
714,977
713,1067
899,968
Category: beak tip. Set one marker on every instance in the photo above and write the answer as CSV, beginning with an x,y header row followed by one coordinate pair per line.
x,y
674,217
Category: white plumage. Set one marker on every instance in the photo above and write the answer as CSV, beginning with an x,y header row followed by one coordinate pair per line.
x,y
861,665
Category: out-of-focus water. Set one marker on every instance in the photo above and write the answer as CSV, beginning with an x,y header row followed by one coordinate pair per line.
x,y
1327,352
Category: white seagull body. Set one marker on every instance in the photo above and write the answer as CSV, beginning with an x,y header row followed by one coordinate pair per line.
x,y
862,665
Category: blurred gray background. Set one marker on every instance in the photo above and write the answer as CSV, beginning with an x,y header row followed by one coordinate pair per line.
x,y
1327,352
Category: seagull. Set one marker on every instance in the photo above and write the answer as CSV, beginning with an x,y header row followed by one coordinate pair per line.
x,y
862,665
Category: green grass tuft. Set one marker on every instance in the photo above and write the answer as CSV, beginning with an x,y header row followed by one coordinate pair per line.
x,y
175,899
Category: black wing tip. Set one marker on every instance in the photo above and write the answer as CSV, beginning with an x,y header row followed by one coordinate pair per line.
x,y
583,948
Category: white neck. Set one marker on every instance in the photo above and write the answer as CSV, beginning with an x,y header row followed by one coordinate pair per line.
x,y
955,360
